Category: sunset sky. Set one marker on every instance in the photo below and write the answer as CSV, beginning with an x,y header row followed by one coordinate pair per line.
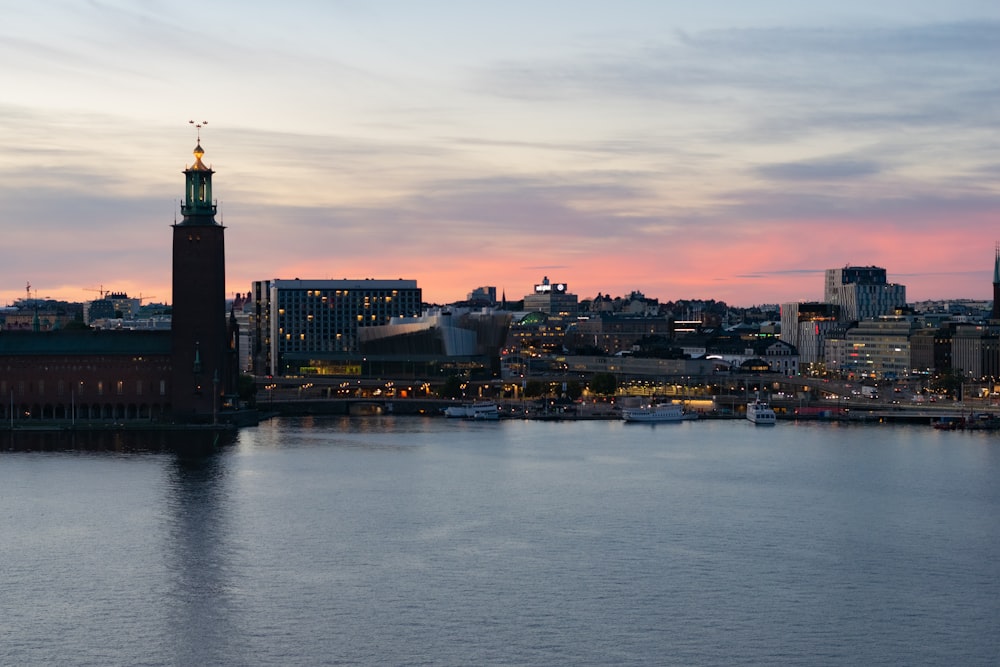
x,y
723,150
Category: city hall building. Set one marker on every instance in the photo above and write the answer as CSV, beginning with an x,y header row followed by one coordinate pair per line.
x,y
187,374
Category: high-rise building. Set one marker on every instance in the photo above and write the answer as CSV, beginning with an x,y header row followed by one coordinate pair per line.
x,y
862,292
311,318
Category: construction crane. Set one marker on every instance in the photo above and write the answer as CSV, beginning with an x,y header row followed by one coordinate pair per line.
x,y
99,290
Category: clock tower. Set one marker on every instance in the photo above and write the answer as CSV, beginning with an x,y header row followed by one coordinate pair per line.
x,y
202,359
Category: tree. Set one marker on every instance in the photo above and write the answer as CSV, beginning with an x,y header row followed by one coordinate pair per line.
x,y
950,382
574,390
533,388
603,384
452,387
246,387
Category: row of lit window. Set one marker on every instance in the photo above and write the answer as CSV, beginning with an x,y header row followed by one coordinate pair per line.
x,y
353,303
382,309
101,362
78,389
325,293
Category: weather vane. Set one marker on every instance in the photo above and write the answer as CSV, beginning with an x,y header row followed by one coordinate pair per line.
x,y
199,126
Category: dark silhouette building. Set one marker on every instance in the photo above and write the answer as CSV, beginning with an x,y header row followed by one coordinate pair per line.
x,y
187,374
203,358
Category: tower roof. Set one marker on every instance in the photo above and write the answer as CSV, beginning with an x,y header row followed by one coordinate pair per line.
x,y
198,164
199,206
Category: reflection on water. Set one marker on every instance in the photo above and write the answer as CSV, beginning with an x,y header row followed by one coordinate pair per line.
x,y
429,541
194,442
200,600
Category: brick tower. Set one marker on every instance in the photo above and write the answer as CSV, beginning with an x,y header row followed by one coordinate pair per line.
x,y
200,337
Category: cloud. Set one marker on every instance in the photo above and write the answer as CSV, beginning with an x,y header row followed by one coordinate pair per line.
x,y
847,76
819,170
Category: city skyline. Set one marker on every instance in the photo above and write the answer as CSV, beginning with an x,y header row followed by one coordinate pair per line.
x,y
725,152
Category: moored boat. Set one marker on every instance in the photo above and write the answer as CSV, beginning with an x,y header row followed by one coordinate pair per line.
x,y
659,412
480,411
760,413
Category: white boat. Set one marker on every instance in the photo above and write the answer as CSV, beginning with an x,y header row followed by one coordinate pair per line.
x,y
760,413
457,411
480,411
485,411
660,412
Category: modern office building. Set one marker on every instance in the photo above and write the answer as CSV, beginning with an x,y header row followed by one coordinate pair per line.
x,y
862,292
317,319
805,324
877,349
464,342
552,298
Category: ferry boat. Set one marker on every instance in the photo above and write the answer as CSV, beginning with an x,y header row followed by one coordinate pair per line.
x,y
760,413
660,412
479,411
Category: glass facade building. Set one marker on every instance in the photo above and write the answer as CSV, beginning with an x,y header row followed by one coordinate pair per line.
x,y
317,317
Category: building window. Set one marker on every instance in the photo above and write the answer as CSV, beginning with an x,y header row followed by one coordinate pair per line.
x,y
120,387
163,387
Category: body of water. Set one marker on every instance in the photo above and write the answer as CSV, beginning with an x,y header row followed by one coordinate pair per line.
x,y
416,541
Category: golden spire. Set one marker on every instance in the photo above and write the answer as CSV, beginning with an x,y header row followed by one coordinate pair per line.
x,y
198,150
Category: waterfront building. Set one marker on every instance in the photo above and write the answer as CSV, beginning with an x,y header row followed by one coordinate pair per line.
x,y
464,342
184,374
552,298
862,292
296,320
85,375
628,368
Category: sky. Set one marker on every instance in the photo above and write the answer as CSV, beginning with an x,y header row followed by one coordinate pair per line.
x,y
723,150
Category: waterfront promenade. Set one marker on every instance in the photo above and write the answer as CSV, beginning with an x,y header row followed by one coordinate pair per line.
x,y
793,398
